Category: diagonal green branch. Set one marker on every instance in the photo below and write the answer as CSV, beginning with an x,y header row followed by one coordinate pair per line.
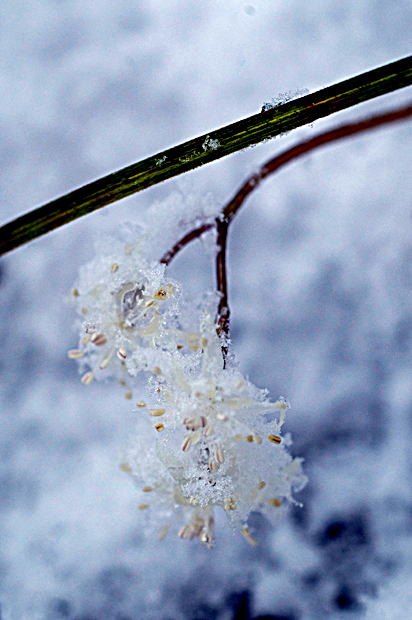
x,y
205,149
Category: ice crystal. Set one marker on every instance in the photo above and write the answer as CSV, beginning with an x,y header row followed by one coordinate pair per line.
x,y
210,144
284,98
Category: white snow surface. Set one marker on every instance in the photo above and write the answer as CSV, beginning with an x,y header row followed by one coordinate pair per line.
x,y
320,289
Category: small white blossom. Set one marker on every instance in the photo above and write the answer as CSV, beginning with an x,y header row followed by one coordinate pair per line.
x,y
219,441
121,299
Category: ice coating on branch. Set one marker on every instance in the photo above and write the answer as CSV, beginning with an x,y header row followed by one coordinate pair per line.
x,y
208,439
284,98
210,144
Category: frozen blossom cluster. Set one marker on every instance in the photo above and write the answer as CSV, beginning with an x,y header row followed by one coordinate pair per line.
x,y
207,438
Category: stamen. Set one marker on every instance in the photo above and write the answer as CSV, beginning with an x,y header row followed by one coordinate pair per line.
x,y
75,354
275,502
162,293
229,503
128,395
246,533
143,506
141,404
121,354
159,427
275,439
87,378
261,485
126,468
238,438
114,267
157,412
256,439
75,292
105,363
186,444
249,438
189,423
86,339
147,489
185,531
163,532
156,370
206,538
195,437
98,339
208,430
219,454
84,311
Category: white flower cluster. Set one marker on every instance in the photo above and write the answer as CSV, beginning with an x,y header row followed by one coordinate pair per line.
x,y
209,438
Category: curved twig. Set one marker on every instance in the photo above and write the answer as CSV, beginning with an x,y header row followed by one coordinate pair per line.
x,y
344,131
230,210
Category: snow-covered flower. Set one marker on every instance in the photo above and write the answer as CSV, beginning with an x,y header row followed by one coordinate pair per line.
x,y
210,439
123,301
218,439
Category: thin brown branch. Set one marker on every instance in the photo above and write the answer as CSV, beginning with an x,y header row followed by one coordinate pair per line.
x,y
229,211
223,312
344,131
221,276
193,234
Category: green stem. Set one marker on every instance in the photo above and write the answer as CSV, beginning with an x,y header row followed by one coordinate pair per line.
x,y
199,151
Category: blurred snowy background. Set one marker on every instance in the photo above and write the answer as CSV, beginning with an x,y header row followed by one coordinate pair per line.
x,y
320,291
